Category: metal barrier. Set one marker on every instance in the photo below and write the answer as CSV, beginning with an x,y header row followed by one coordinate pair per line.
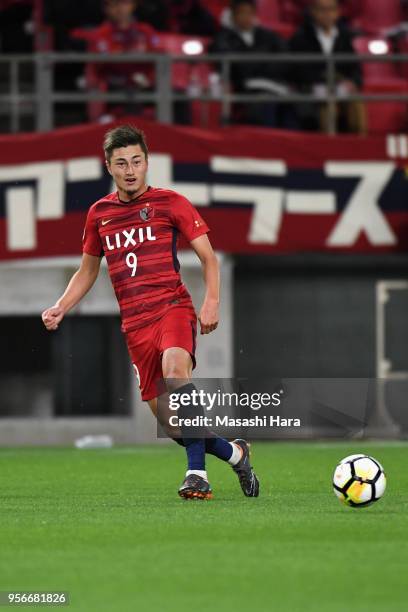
x,y
42,100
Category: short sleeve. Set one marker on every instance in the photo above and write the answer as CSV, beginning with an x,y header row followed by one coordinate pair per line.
x,y
91,240
187,219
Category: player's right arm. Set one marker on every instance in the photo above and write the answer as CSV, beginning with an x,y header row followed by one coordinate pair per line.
x,y
78,286
83,278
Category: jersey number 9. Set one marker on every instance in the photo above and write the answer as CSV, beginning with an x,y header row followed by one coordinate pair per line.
x,y
131,262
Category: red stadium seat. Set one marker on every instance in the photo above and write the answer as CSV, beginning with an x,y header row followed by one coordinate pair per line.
x,y
174,44
376,16
293,11
185,75
268,11
377,72
350,9
184,72
270,15
286,30
382,77
217,7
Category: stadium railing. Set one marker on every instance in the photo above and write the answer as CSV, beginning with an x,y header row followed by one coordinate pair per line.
x,y
41,101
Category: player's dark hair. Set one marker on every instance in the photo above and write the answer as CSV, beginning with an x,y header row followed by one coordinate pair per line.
x,y
124,136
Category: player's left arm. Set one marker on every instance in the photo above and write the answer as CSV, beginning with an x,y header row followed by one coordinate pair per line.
x,y
208,315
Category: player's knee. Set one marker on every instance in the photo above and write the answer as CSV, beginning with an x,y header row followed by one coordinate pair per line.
x,y
175,374
176,367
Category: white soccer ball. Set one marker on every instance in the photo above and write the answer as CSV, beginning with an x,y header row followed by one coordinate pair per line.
x,y
359,480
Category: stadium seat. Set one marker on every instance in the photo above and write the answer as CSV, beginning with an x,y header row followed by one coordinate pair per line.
x,y
184,72
187,76
382,73
376,16
270,16
216,8
350,9
184,76
293,12
268,11
382,77
174,44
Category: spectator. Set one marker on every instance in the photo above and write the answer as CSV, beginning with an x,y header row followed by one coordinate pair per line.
x,y
322,33
121,32
294,11
244,36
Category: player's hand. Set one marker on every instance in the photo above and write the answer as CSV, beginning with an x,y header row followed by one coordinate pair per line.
x,y
208,317
52,317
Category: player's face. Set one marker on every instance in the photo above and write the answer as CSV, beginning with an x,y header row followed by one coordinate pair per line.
x,y
128,167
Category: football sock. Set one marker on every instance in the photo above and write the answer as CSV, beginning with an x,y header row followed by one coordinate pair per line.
x,y
201,473
236,454
195,449
221,448
210,443
195,446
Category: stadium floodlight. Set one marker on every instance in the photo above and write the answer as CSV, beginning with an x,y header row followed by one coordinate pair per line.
x,y
378,47
193,47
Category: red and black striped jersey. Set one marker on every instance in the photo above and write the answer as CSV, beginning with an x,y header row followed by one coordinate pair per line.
x,y
139,240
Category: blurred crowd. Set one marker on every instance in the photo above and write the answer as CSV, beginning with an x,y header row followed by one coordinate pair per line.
x,y
223,27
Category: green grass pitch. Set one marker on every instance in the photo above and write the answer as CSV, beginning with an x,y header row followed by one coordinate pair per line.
x,y
108,526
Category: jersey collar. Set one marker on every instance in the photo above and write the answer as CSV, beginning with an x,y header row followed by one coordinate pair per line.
x,y
135,200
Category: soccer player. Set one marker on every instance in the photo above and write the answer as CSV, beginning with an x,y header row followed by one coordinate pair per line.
x,y
136,229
